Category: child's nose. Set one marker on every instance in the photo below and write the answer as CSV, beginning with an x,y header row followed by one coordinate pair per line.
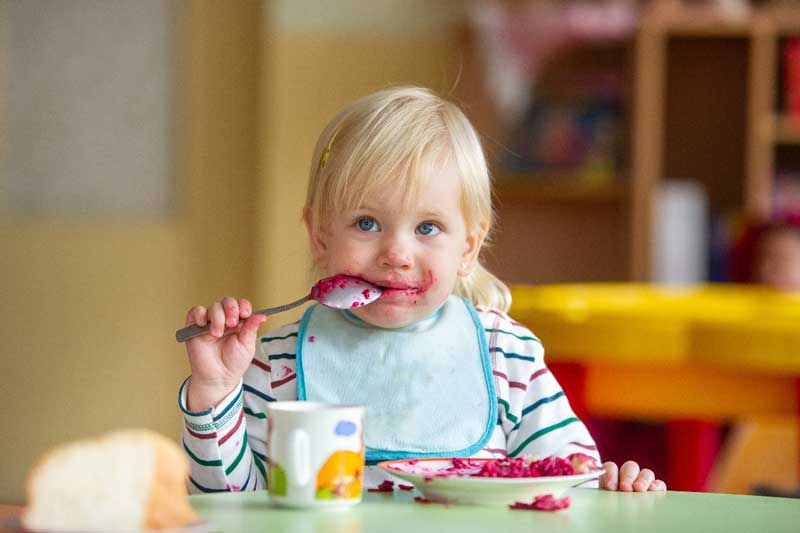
x,y
397,254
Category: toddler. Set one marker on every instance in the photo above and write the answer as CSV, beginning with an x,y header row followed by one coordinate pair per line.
x,y
399,195
768,254
779,257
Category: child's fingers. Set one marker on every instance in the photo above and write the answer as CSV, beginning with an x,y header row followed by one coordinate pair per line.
x,y
608,480
643,480
231,307
657,485
245,308
249,331
216,315
627,473
196,315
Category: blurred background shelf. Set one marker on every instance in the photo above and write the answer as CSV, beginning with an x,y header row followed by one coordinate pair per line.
x,y
698,94
516,189
785,130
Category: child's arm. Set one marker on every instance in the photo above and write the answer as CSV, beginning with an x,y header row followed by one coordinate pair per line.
x,y
235,434
541,421
221,453
534,412
215,437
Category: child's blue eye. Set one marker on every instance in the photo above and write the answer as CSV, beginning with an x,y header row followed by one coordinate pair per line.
x,y
428,228
367,224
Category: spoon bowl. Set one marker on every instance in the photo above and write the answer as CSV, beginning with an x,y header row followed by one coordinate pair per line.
x,y
337,292
344,292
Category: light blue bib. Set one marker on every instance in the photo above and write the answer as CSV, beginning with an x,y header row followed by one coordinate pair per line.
x,y
428,387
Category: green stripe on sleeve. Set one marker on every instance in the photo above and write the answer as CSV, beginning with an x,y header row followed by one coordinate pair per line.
x,y
522,338
541,432
260,466
215,462
508,410
270,339
250,412
238,457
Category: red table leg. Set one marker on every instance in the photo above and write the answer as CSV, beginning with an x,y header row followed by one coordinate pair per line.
x,y
572,378
692,447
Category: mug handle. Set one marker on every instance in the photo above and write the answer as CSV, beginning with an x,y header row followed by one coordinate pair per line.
x,y
299,470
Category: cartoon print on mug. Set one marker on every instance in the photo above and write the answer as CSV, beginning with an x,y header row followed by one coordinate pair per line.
x,y
277,475
341,475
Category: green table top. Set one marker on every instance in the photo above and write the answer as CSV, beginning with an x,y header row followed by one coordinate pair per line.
x,y
592,510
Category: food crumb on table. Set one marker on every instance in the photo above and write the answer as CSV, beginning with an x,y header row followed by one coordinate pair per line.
x,y
544,502
385,486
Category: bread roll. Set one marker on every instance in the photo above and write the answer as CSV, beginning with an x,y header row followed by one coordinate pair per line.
x,y
127,480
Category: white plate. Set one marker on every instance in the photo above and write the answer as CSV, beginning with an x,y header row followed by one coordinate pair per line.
x,y
479,490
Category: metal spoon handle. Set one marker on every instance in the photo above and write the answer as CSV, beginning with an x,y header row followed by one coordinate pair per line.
x,y
189,332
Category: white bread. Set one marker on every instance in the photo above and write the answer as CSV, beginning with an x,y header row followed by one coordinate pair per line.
x,y
127,480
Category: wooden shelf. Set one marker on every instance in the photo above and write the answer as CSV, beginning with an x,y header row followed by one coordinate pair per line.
x,y
703,105
786,130
707,21
519,190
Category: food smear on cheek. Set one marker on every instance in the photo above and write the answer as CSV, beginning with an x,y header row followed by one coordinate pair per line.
x,y
417,287
425,285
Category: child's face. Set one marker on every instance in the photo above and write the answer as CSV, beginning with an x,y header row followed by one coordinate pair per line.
x,y
415,255
779,260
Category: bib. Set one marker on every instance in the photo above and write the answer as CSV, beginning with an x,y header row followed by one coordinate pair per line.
x,y
428,387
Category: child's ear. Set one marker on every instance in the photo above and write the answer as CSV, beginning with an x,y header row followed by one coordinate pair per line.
x,y
472,249
316,238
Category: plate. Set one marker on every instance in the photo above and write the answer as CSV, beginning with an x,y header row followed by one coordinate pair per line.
x,y
428,476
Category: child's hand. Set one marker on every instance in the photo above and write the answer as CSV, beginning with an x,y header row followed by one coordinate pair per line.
x,y
219,358
629,478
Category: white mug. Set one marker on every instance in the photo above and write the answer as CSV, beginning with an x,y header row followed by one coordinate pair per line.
x,y
315,453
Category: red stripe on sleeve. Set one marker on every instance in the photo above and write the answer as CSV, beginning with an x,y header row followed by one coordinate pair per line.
x,y
232,431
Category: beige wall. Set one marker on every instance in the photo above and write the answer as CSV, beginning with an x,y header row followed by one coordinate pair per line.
x,y
88,309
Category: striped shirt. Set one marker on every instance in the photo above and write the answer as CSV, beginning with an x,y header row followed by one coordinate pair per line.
x,y
227,446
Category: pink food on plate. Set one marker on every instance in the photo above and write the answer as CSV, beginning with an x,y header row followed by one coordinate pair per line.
x,y
507,467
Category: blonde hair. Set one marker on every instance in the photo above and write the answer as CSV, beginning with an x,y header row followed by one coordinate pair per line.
x,y
398,136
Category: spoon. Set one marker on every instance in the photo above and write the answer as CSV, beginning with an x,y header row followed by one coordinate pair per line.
x,y
336,292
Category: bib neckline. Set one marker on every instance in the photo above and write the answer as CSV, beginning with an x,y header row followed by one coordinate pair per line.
x,y
423,324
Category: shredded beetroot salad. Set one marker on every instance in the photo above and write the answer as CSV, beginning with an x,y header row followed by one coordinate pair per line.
x,y
521,467
515,467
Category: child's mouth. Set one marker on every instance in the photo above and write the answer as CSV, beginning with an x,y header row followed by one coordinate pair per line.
x,y
399,289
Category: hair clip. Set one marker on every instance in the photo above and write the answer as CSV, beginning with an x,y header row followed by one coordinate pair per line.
x,y
326,152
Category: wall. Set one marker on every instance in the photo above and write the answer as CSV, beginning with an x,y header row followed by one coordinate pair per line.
x,y
89,308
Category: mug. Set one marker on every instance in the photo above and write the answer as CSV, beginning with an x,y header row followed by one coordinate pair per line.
x,y
315,453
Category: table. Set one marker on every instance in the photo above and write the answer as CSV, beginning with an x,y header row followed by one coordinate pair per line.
x,y
592,510
694,356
